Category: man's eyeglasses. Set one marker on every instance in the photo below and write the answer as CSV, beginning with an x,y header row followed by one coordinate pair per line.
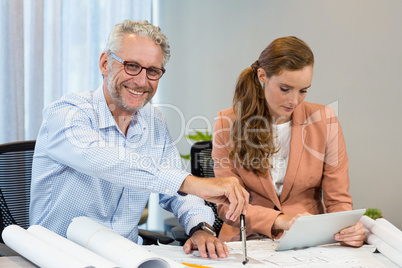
x,y
133,68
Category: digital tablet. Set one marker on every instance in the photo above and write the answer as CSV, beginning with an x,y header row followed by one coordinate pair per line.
x,y
309,231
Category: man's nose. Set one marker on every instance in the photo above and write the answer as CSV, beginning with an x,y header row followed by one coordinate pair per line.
x,y
141,79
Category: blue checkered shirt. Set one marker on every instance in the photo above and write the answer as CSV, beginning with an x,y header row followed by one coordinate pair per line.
x,y
85,166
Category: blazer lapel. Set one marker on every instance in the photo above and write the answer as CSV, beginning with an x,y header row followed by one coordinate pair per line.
x,y
297,139
263,183
268,186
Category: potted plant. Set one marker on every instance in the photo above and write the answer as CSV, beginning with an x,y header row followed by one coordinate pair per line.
x,y
373,213
198,136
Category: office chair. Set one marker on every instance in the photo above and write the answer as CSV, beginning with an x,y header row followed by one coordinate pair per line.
x,y
202,165
15,184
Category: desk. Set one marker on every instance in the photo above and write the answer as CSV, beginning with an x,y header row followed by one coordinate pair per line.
x,y
16,262
326,256
263,251
13,259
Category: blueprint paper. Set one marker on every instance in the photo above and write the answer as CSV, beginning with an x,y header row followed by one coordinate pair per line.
x,y
385,231
37,250
263,251
387,235
389,226
72,248
367,222
116,248
390,252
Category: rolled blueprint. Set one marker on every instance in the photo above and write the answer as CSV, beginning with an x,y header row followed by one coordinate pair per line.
x,y
388,225
68,246
367,222
387,250
388,235
384,230
118,249
38,251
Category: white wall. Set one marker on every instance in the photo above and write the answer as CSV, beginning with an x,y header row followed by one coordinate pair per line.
x,y
358,50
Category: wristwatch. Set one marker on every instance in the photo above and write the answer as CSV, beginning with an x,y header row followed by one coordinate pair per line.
x,y
203,226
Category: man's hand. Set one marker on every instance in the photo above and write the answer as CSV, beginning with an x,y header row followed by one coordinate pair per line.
x,y
352,236
206,242
227,191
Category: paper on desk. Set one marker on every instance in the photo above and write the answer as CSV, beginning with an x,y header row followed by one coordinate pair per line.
x,y
176,253
118,249
384,222
385,236
264,251
39,251
332,255
387,232
390,252
72,248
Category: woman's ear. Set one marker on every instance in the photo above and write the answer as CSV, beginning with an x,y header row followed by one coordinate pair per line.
x,y
104,63
262,76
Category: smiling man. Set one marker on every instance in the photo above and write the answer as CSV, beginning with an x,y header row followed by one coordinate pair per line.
x,y
101,153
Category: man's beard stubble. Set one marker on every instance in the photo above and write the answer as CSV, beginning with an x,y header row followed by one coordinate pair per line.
x,y
118,98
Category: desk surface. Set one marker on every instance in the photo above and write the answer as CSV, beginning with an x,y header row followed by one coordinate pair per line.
x,y
16,262
262,250
262,254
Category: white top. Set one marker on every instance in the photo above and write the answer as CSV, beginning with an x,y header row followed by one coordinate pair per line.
x,y
279,161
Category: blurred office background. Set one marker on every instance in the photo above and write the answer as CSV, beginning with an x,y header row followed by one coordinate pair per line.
x,y
50,48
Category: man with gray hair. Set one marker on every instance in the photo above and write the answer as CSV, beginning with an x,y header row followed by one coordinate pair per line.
x,y
101,153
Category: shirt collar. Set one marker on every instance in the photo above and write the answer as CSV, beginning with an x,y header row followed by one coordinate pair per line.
x,y
105,115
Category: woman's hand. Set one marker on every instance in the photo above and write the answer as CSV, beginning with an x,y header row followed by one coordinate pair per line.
x,y
352,236
284,222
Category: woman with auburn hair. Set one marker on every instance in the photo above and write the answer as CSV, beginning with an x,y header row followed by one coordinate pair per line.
x,y
290,155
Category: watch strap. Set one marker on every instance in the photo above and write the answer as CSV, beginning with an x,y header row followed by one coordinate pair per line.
x,y
203,226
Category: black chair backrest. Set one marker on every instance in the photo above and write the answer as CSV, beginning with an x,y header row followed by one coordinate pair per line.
x,y
202,165
15,183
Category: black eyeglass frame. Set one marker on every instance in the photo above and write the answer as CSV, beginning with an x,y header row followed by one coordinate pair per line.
x,y
125,63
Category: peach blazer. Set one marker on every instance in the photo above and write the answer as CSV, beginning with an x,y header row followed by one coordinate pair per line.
x,y
317,163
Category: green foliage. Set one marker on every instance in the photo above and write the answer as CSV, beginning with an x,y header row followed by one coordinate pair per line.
x,y
185,156
198,136
373,213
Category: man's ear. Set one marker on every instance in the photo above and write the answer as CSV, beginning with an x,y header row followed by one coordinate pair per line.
x,y
104,63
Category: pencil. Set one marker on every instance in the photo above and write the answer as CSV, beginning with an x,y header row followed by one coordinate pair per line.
x,y
195,265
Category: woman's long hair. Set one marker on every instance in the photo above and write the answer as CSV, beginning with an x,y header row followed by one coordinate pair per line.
x,y
252,129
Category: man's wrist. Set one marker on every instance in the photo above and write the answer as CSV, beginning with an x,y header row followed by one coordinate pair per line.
x,y
203,226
